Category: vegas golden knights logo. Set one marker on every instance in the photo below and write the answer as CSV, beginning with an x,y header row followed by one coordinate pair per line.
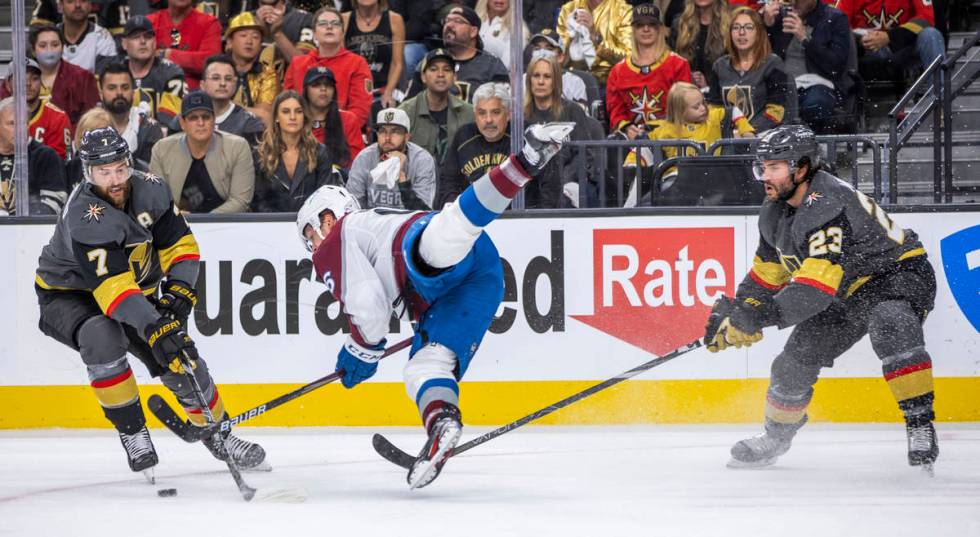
x,y
790,262
740,96
142,264
389,117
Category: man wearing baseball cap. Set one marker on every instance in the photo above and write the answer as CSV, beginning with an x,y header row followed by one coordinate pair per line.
x,y
46,122
258,83
436,114
207,170
344,140
369,180
474,66
159,83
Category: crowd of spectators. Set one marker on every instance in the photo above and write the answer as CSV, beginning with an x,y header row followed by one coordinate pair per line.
x,y
250,105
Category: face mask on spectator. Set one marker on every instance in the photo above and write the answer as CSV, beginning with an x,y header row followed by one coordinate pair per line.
x,y
48,59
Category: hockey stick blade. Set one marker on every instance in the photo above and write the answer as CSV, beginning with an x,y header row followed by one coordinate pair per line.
x,y
191,433
399,457
391,452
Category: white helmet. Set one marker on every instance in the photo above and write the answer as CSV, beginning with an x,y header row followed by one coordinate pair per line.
x,y
331,198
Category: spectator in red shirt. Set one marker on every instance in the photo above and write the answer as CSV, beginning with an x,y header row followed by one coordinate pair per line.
x,y
186,37
46,122
67,86
350,71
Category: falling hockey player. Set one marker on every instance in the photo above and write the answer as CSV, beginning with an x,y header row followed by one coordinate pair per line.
x,y
118,238
831,262
438,267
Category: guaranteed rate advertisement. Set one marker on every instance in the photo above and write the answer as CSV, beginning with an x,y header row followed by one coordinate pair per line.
x,y
585,299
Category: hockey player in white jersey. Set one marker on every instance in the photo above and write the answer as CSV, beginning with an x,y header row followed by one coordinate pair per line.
x,y
437,268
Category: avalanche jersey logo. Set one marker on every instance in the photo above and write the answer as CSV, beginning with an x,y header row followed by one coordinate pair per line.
x,y
94,212
646,106
740,97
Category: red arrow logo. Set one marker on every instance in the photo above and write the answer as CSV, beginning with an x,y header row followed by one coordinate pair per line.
x,y
653,288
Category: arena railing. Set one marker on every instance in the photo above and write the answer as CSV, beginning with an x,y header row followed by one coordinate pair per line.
x,y
955,81
900,131
606,157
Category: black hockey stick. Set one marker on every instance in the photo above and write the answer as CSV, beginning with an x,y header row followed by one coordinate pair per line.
x,y
392,453
247,492
191,433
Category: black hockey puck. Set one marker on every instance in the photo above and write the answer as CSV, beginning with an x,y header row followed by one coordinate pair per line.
x,y
166,493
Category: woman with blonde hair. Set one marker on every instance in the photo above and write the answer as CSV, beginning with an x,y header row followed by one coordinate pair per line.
x,y
289,162
751,77
543,103
698,35
496,28
637,88
96,118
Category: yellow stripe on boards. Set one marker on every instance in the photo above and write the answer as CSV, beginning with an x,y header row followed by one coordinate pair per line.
x,y
496,403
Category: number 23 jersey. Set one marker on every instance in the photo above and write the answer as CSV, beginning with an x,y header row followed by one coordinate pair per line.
x,y
829,246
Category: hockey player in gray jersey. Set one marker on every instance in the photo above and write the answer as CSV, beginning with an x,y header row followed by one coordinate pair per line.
x,y
118,239
833,264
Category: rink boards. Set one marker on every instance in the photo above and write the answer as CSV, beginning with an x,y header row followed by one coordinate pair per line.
x,y
585,298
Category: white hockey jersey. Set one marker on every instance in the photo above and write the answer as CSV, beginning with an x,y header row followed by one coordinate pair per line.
x,y
361,264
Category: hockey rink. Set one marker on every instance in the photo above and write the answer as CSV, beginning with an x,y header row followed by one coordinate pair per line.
x,y
564,481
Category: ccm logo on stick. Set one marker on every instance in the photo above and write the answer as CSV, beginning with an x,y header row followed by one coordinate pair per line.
x,y
654,288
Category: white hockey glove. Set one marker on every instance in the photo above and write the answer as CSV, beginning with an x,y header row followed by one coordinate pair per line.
x,y
542,142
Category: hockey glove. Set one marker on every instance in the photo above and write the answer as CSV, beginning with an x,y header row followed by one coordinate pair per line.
x,y
177,300
542,142
359,363
734,323
170,343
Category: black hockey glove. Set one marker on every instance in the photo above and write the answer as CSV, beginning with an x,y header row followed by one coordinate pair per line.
x,y
735,323
177,300
170,343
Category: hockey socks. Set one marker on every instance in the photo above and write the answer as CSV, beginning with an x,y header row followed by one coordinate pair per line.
x,y
489,196
909,377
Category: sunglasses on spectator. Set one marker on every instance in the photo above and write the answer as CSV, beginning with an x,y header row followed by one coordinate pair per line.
x,y
738,28
329,24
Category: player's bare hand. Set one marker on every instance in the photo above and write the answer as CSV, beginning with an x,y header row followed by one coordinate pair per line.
x,y
792,24
769,12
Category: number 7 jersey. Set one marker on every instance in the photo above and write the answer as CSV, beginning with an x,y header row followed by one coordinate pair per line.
x,y
825,249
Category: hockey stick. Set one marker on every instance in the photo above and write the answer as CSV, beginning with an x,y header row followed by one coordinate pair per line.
x,y
191,433
392,453
247,492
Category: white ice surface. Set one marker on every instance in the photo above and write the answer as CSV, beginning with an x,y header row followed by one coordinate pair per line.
x,y
599,482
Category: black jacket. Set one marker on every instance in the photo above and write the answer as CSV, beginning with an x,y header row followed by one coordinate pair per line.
x,y
468,157
278,194
827,49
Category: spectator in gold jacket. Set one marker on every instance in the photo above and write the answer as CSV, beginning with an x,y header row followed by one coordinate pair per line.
x,y
258,83
608,24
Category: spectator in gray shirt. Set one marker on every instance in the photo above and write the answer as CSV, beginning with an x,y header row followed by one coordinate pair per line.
x,y
416,183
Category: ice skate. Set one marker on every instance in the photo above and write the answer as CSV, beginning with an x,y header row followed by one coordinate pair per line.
x,y
140,453
247,456
923,445
438,448
758,451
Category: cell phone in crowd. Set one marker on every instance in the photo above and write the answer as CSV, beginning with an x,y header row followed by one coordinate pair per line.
x,y
785,9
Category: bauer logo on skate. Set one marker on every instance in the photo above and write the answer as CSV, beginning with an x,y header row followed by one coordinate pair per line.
x,y
653,288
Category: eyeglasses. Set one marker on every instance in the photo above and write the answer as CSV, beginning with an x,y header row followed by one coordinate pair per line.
x,y
739,28
329,24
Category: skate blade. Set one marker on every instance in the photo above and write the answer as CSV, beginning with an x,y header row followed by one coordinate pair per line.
x,y
150,476
263,466
425,471
928,470
742,465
